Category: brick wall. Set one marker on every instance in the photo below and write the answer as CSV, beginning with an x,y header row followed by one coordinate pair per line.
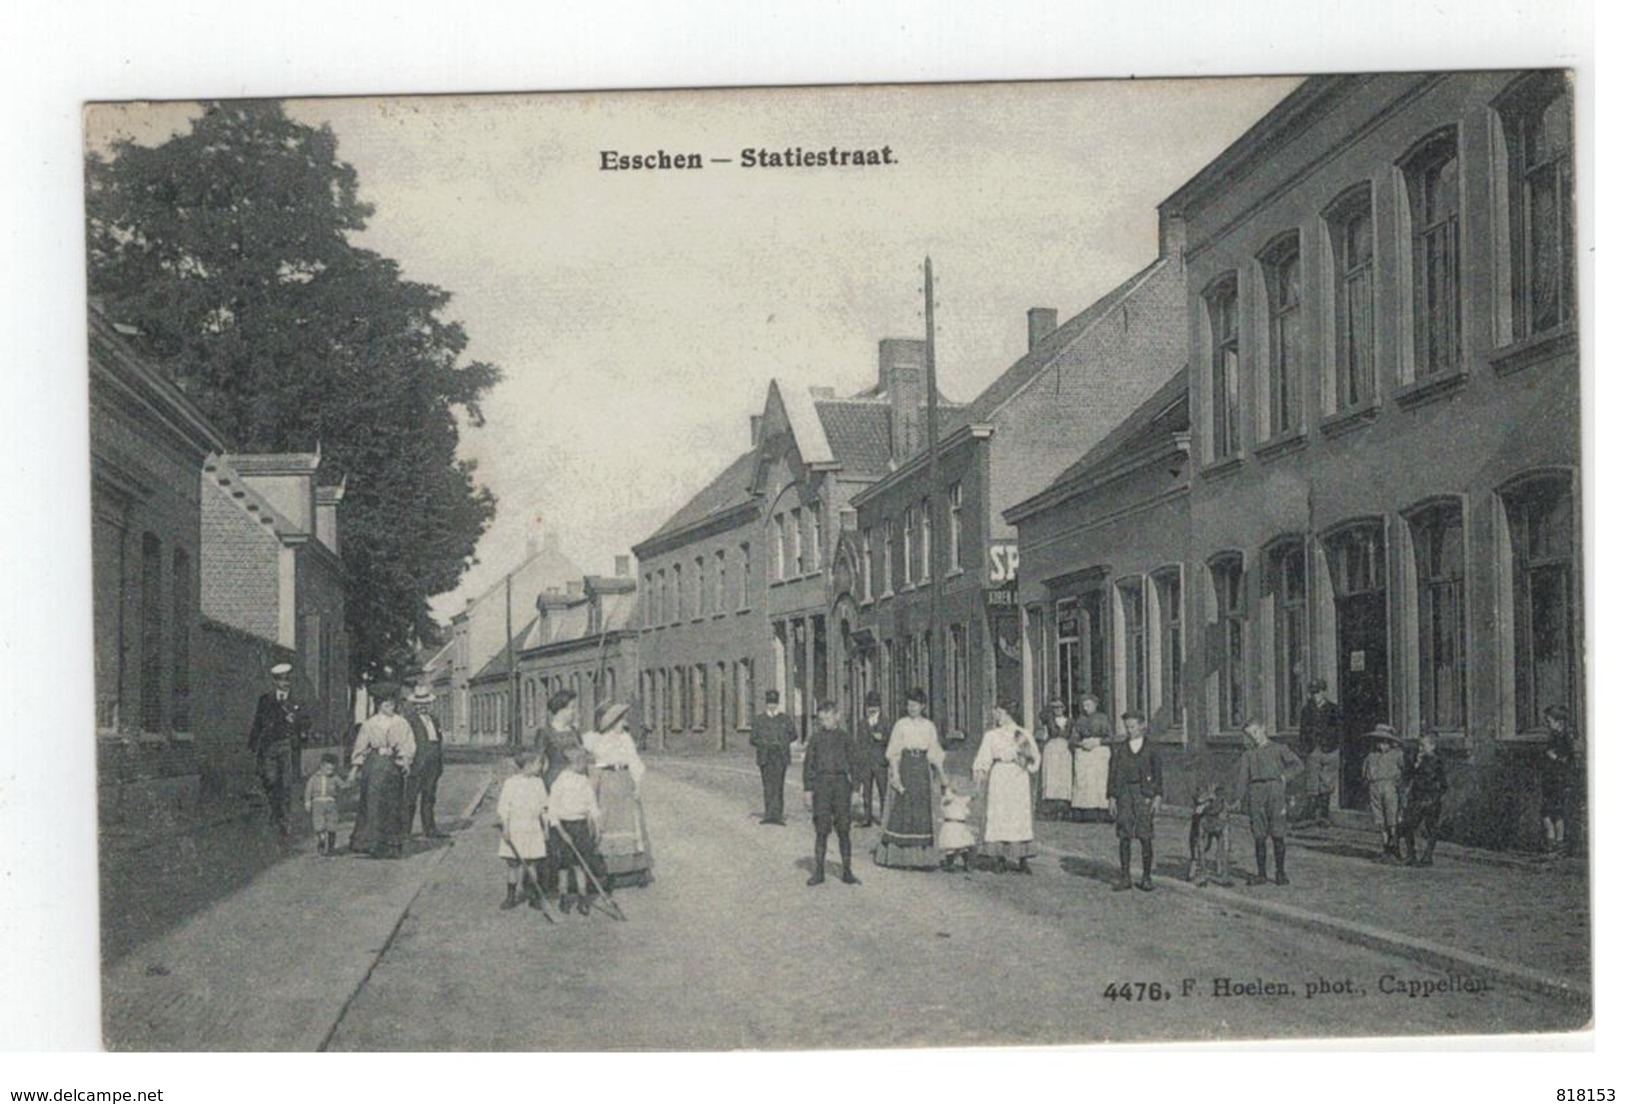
x,y
233,673
240,581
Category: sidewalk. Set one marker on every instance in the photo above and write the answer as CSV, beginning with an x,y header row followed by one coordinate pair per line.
x,y
224,977
1530,926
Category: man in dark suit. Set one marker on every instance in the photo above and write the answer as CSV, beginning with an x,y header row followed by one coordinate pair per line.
x,y
280,724
1133,795
427,764
869,766
771,734
1320,734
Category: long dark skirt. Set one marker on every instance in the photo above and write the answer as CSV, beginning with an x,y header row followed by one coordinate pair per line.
x,y
378,822
909,839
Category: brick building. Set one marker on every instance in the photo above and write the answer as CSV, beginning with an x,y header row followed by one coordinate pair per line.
x,y
1075,382
736,586
479,634
147,447
272,590
1381,474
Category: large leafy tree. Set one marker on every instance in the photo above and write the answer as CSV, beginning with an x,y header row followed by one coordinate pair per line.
x,y
231,248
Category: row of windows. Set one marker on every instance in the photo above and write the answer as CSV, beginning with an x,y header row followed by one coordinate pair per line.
x,y
534,690
713,586
1148,642
904,558
898,666
694,697
157,622
798,544
1537,221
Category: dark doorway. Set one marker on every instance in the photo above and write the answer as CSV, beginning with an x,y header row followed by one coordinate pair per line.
x,y
1358,561
1081,639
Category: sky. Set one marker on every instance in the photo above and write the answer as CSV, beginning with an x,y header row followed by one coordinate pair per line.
x,y
639,316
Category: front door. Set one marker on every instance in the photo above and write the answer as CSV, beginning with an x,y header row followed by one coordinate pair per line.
x,y
1358,562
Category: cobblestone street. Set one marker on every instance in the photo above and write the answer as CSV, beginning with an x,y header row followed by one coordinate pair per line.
x,y
730,949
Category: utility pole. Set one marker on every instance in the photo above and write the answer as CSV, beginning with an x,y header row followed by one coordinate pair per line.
x,y
513,672
934,621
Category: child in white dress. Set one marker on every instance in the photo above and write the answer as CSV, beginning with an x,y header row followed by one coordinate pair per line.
x,y
521,809
955,839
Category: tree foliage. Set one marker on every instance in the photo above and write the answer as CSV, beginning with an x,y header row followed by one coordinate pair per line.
x,y
231,248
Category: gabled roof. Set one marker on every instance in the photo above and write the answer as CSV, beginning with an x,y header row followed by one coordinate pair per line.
x,y
1165,413
497,666
1160,419
223,471
1011,381
859,434
800,410
728,491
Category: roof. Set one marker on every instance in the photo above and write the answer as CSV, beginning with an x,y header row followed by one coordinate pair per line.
x,y
800,409
727,491
498,664
223,471
1166,412
112,353
1161,417
859,434
1018,375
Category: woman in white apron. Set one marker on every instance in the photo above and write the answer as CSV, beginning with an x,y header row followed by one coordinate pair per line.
x,y
1003,771
1091,759
1055,779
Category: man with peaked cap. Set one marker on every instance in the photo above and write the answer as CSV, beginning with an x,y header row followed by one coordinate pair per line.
x,y
280,723
423,783
1320,734
870,768
771,734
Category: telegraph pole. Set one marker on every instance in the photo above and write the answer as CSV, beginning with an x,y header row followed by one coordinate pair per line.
x,y
513,673
934,621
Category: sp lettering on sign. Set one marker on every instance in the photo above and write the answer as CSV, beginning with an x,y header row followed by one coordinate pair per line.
x,y
1002,561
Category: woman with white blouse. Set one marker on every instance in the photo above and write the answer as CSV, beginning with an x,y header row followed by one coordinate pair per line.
x,y
914,765
1003,769
617,774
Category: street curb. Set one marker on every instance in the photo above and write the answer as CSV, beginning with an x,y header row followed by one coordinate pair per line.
x,y
1364,935
389,941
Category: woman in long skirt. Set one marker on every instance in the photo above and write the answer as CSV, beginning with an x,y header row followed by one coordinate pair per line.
x,y
914,763
618,780
1091,759
1004,767
1056,790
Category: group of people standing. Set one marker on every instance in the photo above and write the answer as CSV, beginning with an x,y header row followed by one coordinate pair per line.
x,y
900,770
396,759
571,819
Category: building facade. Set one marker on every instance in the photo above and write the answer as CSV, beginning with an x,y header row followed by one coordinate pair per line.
x,y
480,633
736,586
1075,382
1381,473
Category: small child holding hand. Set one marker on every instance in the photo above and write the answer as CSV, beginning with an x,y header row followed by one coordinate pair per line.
x,y
956,840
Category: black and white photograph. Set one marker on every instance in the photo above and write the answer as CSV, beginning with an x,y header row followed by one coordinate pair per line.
x,y
840,567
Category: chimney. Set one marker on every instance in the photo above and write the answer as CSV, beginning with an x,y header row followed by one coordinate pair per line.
x,y
902,378
755,430
623,567
575,588
1170,234
1040,324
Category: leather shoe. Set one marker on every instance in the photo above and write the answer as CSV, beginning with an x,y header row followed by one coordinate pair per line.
x,y
1145,884
850,878
816,879
1119,886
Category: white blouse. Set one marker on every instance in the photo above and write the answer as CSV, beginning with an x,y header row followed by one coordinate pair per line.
x,y
914,734
615,749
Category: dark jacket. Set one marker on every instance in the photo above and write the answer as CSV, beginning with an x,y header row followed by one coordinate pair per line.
x,y
1319,726
1427,781
872,740
1089,725
772,736
1131,773
1268,762
830,754
428,755
277,722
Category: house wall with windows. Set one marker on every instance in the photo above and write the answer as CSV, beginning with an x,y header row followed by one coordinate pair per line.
x,y
1384,405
